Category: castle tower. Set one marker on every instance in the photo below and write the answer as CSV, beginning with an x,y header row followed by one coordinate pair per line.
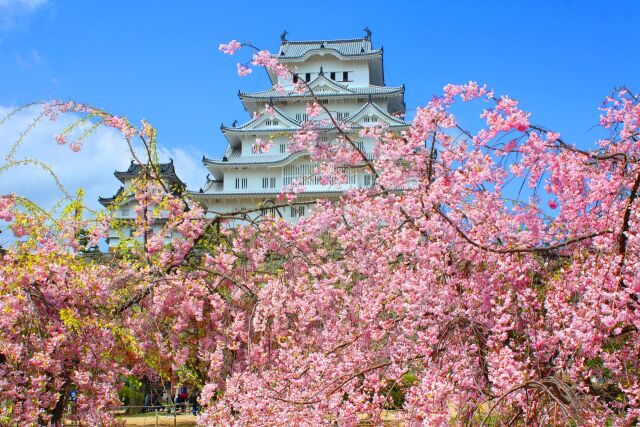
x,y
124,203
347,76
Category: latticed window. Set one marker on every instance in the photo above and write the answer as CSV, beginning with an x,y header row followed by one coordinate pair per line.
x,y
269,211
297,211
302,173
305,174
283,148
241,183
368,180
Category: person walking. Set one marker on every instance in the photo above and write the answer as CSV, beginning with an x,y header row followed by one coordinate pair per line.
x,y
193,400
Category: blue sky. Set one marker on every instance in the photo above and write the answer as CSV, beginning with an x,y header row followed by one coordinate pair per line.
x,y
158,59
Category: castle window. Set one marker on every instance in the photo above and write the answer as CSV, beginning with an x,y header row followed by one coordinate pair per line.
x,y
333,75
124,211
297,211
345,76
283,148
295,78
324,101
268,211
374,119
271,122
241,183
307,77
368,180
366,119
360,145
268,182
339,116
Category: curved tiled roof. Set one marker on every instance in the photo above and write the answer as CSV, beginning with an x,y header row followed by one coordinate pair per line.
x,y
263,159
354,91
260,194
245,125
344,47
106,201
166,170
394,122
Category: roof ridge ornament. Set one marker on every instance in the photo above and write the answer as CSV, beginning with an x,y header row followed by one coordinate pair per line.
x,y
322,45
283,36
368,33
321,71
235,122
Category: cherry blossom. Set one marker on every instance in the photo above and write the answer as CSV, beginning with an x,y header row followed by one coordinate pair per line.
x,y
243,71
230,48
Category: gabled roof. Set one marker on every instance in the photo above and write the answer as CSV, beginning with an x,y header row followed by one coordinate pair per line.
x,y
263,159
340,90
250,127
166,170
370,107
252,124
345,47
106,201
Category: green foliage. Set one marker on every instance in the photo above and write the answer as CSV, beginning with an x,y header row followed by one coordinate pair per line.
x,y
396,390
132,391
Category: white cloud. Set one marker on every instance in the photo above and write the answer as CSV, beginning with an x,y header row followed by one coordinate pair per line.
x,y
13,11
21,4
91,168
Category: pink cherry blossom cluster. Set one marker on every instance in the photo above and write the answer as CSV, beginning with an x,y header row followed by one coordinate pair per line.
x,y
243,70
230,48
7,202
483,274
314,109
121,124
261,146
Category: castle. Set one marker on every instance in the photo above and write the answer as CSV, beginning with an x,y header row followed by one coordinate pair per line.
x,y
347,78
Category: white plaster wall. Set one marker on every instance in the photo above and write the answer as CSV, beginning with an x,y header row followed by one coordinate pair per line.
x,y
358,70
